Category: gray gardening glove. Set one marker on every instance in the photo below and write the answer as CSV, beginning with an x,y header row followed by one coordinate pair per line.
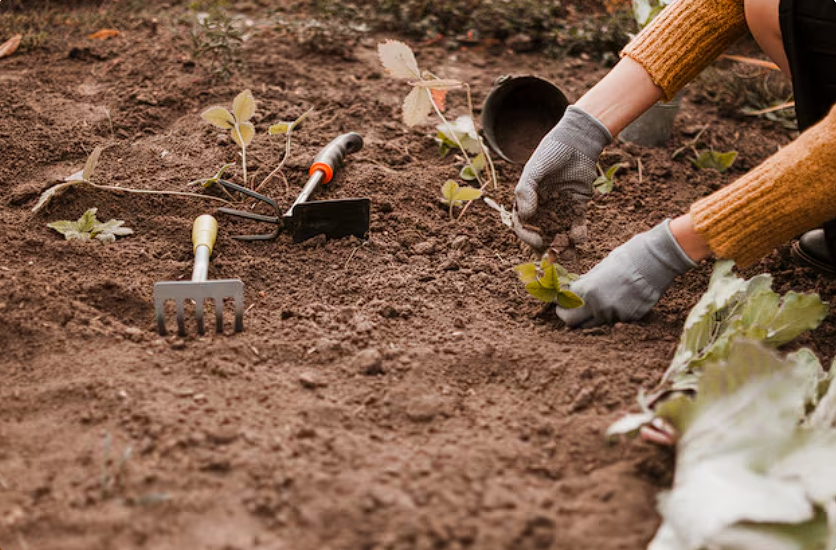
x,y
564,161
626,284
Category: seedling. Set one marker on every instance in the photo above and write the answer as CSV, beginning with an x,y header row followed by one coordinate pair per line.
x,y
237,122
429,94
606,180
83,177
549,282
87,227
216,37
706,158
285,128
461,131
452,194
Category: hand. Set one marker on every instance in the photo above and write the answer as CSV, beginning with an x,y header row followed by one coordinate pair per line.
x,y
564,161
626,284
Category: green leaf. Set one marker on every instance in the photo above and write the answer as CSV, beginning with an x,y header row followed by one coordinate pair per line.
x,y
279,128
246,131
465,194
90,165
716,160
568,299
88,227
528,273
543,294
549,278
463,129
448,191
218,116
629,424
243,106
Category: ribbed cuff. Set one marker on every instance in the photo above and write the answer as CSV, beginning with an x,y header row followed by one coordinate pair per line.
x,y
788,194
685,38
586,133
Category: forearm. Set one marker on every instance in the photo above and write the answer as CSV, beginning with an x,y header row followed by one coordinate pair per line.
x,y
621,96
686,37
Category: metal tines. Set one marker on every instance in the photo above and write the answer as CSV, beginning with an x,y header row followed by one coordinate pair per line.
x,y
199,289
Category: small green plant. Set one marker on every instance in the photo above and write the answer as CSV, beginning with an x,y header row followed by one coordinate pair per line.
x,y
215,38
429,94
549,282
237,122
452,194
87,227
705,157
283,128
606,180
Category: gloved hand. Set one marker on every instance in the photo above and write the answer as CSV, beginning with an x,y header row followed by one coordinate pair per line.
x,y
564,161
626,284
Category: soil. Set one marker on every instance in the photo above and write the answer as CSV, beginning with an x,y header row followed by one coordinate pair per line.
x,y
399,392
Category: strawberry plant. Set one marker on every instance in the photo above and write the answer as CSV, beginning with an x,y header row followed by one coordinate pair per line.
x,y
549,282
428,94
87,227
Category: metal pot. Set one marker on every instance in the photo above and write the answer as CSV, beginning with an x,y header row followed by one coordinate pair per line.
x,y
518,112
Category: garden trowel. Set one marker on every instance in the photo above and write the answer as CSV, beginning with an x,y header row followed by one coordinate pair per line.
x,y
306,219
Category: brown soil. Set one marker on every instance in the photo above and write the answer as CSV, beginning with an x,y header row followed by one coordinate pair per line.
x,y
395,393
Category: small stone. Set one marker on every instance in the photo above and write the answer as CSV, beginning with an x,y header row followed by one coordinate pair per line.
x,y
134,334
459,243
312,380
369,362
426,247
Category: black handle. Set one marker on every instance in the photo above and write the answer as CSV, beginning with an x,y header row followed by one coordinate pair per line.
x,y
331,157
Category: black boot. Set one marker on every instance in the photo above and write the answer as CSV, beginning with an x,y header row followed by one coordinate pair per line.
x,y
812,250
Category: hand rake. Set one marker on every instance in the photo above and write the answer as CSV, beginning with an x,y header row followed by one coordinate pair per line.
x,y
199,289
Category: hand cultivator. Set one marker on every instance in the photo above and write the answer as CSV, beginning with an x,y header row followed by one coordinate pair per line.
x,y
306,219
199,289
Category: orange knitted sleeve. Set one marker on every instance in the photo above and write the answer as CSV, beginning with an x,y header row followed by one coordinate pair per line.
x,y
686,37
791,192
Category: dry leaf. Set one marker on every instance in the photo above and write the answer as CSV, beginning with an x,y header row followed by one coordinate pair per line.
x,y
10,46
398,59
416,107
439,98
103,34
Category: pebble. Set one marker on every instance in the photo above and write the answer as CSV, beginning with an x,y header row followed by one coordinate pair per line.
x,y
369,362
312,380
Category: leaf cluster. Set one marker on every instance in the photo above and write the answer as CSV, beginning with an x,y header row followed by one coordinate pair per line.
x,y
755,445
87,227
549,283
706,158
605,182
452,194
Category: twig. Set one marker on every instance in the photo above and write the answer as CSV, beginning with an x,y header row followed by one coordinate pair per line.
x,y
640,167
154,192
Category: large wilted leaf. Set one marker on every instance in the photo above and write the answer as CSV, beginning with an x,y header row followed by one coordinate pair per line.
x,y
91,163
52,192
416,106
749,476
397,58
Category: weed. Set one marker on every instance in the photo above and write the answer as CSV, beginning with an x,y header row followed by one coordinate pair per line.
x,y
606,179
215,37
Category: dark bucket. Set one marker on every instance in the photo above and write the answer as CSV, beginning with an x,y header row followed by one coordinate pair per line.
x,y
518,112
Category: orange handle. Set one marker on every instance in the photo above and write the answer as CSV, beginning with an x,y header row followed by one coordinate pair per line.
x,y
331,157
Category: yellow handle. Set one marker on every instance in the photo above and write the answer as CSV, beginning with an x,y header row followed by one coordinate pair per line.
x,y
204,232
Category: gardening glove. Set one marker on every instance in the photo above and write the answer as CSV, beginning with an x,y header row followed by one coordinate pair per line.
x,y
564,161
626,284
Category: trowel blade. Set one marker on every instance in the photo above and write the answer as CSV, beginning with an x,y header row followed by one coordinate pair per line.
x,y
333,218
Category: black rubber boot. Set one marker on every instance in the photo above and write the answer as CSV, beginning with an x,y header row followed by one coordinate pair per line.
x,y
812,251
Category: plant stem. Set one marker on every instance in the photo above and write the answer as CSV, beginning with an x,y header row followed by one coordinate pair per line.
x,y
481,143
243,151
455,137
154,192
